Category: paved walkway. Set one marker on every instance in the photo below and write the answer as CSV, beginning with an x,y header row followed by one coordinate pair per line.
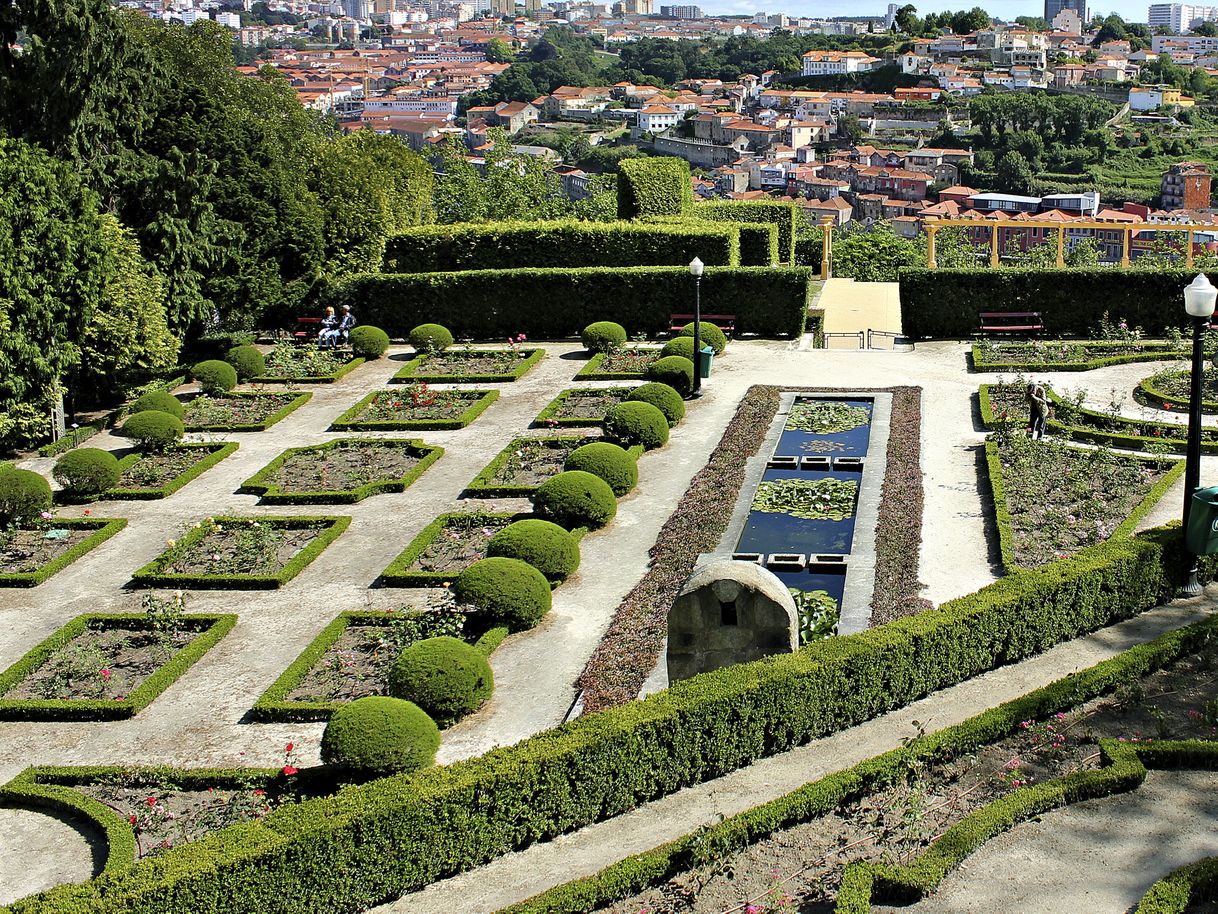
x,y
851,307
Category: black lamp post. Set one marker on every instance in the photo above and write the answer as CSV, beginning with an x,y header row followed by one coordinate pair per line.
x,y
1199,297
695,269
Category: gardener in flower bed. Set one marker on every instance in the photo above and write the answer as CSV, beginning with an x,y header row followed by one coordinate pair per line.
x,y
1038,406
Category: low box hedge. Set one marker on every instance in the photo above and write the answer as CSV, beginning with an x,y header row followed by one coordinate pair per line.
x,y
259,484
350,421
104,529
1139,352
417,371
948,302
562,243
547,415
592,371
1006,529
399,573
557,303
211,629
213,453
1150,395
273,704
376,841
484,484
338,375
1187,885
300,400
154,574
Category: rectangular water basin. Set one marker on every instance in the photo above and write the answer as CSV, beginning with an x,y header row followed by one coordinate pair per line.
x,y
832,584
851,443
769,532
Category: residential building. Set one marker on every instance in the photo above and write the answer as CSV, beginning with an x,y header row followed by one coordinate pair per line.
x,y
655,118
1186,185
835,63
681,12
1149,98
1179,17
1053,7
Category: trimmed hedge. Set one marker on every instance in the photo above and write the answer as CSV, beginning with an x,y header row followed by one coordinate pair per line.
x,y
212,454
104,527
637,422
214,377
350,421
675,371
780,215
505,591
656,186
1140,352
376,735
211,628
1192,884
1149,395
291,406
555,303
368,342
662,397
24,495
444,676
758,240
946,303
259,484
487,485
430,338
160,400
154,574
399,573
682,346
416,370
601,336
564,243
348,851
574,499
153,430
77,436
247,361
612,463
546,546
709,335
86,471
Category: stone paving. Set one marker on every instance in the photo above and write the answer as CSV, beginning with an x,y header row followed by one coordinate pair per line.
x,y
200,720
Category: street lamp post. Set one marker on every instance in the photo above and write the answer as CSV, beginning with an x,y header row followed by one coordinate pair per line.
x,y
695,269
1199,298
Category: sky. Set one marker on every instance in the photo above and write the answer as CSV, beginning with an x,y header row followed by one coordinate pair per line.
x,y
1130,10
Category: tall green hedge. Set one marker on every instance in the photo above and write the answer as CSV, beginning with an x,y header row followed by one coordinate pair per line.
x,y
657,186
775,213
513,245
946,303
373,842
758,240
550,303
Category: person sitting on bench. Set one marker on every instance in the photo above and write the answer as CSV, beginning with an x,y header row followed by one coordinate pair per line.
x,y
345,325
328,337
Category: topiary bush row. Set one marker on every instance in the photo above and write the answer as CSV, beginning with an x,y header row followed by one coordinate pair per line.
x,y
24,495
87,472
656,186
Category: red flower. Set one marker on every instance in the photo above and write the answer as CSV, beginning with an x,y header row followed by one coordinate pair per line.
x,y
131,819
87,512
290,770
289,747
1167,406
259,793
151,801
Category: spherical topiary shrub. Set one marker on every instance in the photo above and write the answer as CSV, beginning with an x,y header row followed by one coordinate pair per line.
x,y
377,736
430,338
544,545
369,342
444,676
635,422
24,495
505,591
249,362
603,336
160,400
87,471
711,335
679,345
153,430
663,398
610,462
675,371
215,377
575,498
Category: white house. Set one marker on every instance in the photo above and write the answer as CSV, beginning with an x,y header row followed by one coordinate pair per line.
x,y
655,118
836,63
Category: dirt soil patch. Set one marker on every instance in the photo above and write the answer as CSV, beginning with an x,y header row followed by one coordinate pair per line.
x,y
152,471
254,548
248,410
343,468
26,549
417,401
589,404
532,461
458,545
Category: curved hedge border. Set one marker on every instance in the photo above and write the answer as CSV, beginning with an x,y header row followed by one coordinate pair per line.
x,y
338,375
211,628
1151,352
820,797
278,415
547,414
273,704
1182,887
415,371
1148,395
592,371
271,494
398,573
350,421
153,575
214,453
1096,435
484,484
1006,530
105,527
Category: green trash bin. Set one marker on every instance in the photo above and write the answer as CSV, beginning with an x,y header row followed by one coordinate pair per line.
x,y
705,360
1202,534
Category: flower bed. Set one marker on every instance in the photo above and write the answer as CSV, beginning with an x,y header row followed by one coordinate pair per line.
x,y
415,407
241,552
106,667
620,364
1171,389
32,553
351,658
523,465
149,476
444,548
240,412
289,363
1052,500
470,366
581,406
342,471
1068,355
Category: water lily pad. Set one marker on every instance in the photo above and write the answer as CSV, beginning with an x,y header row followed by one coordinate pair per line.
x,y
825,417
811,499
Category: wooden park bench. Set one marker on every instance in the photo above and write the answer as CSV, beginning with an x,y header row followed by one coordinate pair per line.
x,y
1011,322
725,322
307,329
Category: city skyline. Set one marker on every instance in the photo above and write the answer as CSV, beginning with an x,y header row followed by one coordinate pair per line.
x,y
1003,9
